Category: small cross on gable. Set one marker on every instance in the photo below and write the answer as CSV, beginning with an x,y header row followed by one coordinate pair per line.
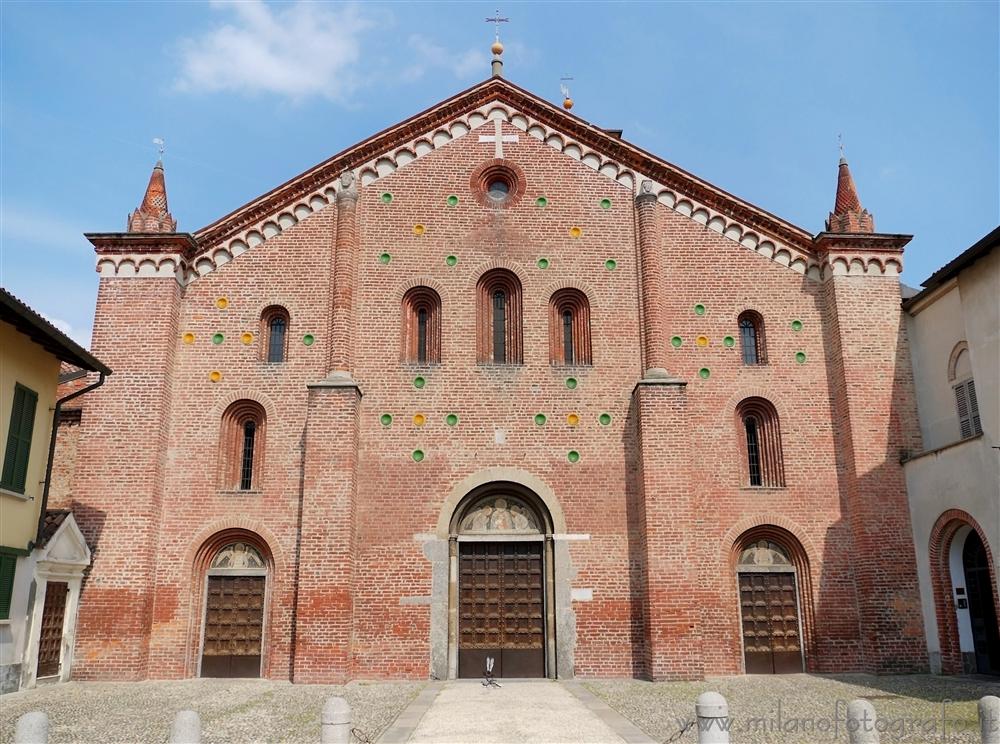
x,y
498,139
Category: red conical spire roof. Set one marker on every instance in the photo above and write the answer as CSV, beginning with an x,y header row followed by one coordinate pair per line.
x,y
848,216
153,215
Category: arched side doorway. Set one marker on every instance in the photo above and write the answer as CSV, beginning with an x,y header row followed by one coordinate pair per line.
x,y
770,616
501,584
975,612
963,576
235,596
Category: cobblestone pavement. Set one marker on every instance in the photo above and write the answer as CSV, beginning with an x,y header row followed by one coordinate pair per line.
x,y
233,711
912,708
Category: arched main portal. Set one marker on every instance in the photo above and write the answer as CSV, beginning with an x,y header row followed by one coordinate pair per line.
x,y
233,628
769,606
501,584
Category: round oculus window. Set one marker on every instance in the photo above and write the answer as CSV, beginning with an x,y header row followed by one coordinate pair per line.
x,y
497,184
498,189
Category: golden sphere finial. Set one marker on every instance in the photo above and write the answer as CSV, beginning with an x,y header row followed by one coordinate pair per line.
x,y
497,47
567,103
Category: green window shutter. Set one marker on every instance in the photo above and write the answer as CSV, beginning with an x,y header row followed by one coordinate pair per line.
x,y
8,563
22,422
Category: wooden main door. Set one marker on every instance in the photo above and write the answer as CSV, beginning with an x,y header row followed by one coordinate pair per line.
x,y
234,625
501,609
769,606
50,636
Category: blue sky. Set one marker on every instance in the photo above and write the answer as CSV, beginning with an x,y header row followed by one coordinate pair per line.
x,y
750,96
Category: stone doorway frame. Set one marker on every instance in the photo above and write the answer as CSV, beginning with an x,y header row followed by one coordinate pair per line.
x,y
442,550
207,552
63,558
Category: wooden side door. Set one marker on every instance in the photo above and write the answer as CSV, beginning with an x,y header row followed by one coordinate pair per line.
x,y
501,609
523,611
234,626
770,615
50,636
982,613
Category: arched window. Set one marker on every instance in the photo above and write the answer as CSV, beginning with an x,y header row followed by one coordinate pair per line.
x,y
274,331
757,422
499,315
966,402
569,328
752,337
421,334
242,444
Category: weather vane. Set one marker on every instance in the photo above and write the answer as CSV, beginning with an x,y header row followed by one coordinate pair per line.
x,y
161,145
564,89
496,21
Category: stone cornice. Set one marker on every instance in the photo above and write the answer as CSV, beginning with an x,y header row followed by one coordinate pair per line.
x,y
148,255
868,242
860,254
139,243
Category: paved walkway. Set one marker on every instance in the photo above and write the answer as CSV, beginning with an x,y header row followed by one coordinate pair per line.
x,y
519,711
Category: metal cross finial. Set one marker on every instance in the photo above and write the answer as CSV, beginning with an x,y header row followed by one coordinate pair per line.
x,y
161,145
496,21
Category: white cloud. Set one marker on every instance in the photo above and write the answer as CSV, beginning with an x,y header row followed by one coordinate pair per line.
x,y
80,335
298,50
472,63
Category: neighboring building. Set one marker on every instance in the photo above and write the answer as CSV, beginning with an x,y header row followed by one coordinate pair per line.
x,y
42,552
495,382
954,483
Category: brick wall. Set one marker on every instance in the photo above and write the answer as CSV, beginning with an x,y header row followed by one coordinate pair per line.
x,y
659,490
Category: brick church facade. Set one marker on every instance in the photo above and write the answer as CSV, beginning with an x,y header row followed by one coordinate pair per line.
x,y
495,383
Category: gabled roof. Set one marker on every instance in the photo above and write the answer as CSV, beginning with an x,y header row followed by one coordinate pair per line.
x,y
46,335
981,248
966,258
632,161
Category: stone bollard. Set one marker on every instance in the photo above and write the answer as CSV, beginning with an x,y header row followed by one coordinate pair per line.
x,y
989,719
32,728
186,728
712,712
861,722
336,722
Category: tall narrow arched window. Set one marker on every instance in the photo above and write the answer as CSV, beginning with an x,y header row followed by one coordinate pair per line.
x,y
274,330
246,462
569,354
964,387
499,318
242,446
499,326
421,332
760,434
569,328
752,338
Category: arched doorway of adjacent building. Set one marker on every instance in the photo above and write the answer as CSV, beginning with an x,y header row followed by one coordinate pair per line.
x,y
234,601
770,602
501,584
975,611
